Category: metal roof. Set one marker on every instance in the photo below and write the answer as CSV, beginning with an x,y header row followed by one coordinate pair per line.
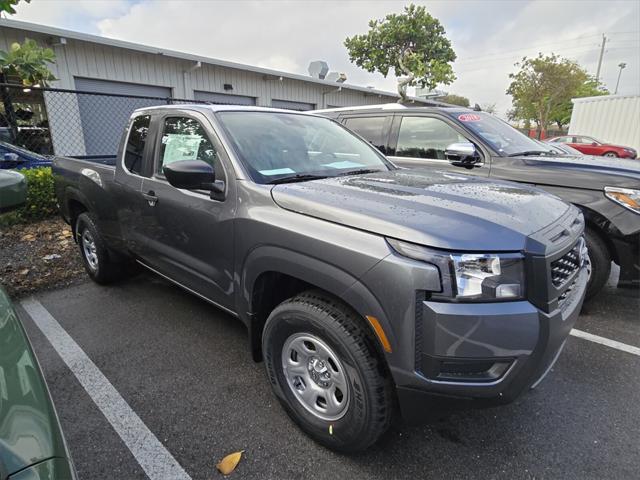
x,y
85,37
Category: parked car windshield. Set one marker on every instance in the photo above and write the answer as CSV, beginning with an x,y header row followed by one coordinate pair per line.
x,y
278,147
505,139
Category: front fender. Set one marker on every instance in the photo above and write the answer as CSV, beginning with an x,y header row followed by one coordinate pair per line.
x,y
316,272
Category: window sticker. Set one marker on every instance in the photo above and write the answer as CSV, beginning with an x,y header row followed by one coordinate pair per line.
x,y
276,171
181,147
343,164
469,117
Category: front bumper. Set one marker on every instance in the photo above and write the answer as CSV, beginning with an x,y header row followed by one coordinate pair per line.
x,y
483,354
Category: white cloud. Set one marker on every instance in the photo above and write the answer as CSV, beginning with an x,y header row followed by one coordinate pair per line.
x,y
488,36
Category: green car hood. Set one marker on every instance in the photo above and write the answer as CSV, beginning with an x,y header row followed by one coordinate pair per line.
x,y
29,428
13,190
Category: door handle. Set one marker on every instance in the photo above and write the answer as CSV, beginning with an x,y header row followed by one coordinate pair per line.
x,y
150,197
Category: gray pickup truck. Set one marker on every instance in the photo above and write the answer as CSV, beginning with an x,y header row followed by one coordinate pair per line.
x,y
450,138
363,287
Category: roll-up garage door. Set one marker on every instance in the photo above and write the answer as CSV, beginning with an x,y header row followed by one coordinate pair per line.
x,y
104,112
224,98
289,105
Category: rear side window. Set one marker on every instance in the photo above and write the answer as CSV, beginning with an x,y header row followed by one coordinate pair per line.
x,y
183,138
424,137
371,129
135,144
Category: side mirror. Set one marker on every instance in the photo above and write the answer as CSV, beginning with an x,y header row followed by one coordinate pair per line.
x,y
11,157
462,154
193,175
594,144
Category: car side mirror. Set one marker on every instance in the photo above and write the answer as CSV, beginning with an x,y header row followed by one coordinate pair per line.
x,y
462,154
11,157
193,175
594,144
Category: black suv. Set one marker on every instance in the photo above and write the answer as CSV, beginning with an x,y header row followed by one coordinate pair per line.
x,y
460,140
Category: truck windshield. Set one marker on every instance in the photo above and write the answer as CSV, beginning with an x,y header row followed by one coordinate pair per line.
x,y
505,139
280,147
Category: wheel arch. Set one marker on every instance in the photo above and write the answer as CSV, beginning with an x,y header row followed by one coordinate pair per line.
x,y
272,275
76,203
599,224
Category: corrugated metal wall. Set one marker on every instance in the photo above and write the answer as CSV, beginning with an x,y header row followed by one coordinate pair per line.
x,y
610,118
91,60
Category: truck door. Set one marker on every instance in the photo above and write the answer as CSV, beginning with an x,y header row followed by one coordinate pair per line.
x,y
189,234
419,141
132,161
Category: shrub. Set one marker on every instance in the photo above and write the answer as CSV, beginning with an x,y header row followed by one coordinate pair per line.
x,y
41,198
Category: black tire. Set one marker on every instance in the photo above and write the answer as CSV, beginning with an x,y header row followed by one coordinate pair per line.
x,y
369,403
102,268
600,262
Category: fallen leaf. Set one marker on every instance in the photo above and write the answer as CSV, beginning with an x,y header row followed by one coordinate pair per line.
x,y
229,463
29,237
24,272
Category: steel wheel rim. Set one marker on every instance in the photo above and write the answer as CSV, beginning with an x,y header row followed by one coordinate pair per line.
x,y
610,155
316,376
89,250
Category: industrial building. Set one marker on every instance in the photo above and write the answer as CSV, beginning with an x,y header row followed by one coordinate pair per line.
x,y
119,70
91,62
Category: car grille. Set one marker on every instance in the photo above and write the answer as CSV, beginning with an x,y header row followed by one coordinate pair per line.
x,y
564,267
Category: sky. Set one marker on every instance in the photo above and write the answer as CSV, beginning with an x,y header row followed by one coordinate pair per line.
x,y
488,36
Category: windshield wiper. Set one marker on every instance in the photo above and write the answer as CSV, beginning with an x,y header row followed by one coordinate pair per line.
x,y
361,171
530,153
298,177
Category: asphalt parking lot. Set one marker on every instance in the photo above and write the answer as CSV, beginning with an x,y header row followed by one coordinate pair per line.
x,y
184,368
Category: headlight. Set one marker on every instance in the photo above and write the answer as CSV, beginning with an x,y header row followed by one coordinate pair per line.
x,y
471,277
627,197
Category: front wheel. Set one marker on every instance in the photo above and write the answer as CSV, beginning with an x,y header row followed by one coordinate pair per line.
x,y
325,370
611,155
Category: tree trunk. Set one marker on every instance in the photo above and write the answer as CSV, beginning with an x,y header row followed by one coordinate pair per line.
x,y
9,112
405,82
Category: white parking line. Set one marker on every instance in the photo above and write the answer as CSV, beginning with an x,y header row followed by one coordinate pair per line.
x,y
606,341
152,456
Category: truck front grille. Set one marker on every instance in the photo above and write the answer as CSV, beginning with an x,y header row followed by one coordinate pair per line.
x,y
564,267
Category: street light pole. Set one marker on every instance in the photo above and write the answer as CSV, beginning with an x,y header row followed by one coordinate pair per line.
x,y
604,41
621,65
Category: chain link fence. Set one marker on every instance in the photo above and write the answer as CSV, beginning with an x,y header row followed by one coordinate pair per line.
x,y
54,121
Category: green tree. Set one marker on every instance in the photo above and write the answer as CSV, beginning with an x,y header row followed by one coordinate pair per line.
x,y
7,5
454,99
561,115
27,63
412,44
24,64
542,85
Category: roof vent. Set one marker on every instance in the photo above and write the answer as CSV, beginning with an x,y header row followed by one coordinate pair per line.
x,y
318,69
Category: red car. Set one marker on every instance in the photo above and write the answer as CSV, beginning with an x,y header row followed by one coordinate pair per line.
x,y
591,146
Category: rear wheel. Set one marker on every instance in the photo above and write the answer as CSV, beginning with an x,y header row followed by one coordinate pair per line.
x,y
325,370
98,262
600,262
611,155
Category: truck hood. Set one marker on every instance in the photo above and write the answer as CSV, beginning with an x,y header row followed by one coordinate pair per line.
x,y
584,171
432,208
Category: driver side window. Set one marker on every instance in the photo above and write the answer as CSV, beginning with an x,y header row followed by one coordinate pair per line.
x,y
585,140
183,138
424,137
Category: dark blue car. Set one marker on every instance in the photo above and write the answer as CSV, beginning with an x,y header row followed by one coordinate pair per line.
x,y
12,156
